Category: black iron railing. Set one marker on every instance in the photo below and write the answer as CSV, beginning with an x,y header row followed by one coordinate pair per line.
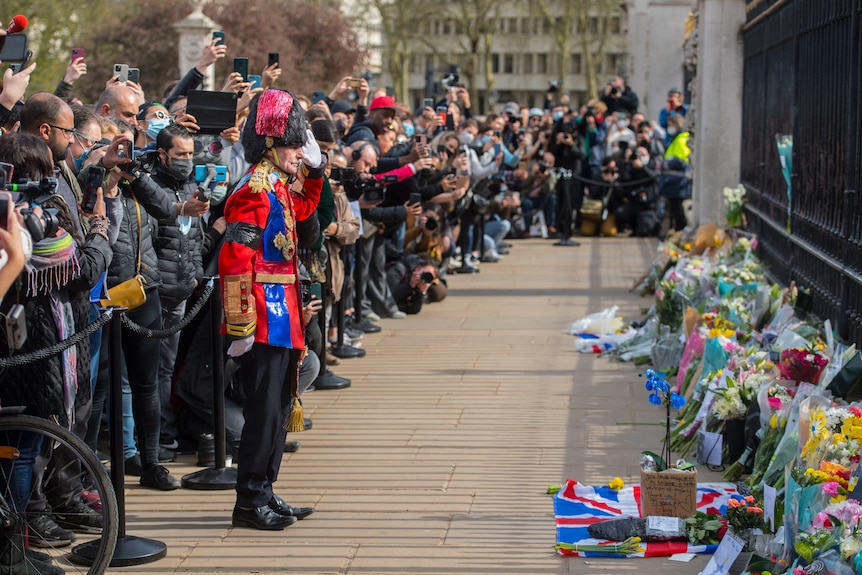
x,y
801,77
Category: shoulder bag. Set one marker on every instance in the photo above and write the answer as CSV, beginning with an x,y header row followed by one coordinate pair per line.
x,y
130,293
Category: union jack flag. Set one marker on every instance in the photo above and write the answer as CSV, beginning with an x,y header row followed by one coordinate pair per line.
x,y
578,506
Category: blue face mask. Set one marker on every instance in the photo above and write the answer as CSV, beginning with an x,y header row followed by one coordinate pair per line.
x,y
219,193
79,161
485,139
557,115
155,126
408,130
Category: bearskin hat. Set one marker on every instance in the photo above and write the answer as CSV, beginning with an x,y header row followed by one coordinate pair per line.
x,y
275,119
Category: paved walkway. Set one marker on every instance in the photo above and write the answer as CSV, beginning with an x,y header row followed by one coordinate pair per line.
x,y
438,458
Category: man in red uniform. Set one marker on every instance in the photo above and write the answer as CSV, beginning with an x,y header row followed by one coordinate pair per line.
x,y
261,294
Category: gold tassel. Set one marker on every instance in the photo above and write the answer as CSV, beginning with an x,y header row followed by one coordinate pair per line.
x,y
296,421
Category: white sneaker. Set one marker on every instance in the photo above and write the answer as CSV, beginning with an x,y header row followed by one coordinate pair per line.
x,y
398,315
372,316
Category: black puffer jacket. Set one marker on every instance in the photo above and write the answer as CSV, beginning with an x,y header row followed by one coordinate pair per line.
x,y
39,385
154,203
180,261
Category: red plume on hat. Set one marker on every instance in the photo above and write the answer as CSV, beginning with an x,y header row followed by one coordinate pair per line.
x,y
273,109
275,119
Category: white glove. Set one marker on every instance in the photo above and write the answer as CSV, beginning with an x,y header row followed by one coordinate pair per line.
x,y
240,346
311,155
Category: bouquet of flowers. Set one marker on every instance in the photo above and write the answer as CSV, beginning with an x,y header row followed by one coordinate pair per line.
x,y
802,364
668,306
744,515
733,200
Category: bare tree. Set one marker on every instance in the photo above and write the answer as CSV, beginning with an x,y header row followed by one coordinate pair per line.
x,y
475,23
592,21
400,21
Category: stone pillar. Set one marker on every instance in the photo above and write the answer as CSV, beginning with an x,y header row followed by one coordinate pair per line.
x,y
718,106
195,32
656,31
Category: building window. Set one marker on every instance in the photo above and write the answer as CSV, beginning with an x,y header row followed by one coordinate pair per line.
x,y
513,25
616,25
594,25
501,25
535,26
525,25
495,63
527,64
575,65
436,27
447,27
546,26
542,64
508,64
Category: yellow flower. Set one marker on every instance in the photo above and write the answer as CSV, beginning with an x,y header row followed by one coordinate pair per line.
x,y
773,421
616,484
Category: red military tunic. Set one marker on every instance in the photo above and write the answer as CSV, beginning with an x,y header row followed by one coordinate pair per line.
x,y
258,263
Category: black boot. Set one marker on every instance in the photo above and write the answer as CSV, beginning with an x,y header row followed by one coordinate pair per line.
x,y
14,560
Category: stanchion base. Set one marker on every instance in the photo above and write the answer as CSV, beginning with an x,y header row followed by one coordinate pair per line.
x,y
210,479
331,381
567,242
130,550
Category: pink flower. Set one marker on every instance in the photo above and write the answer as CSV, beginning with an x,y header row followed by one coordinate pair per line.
x,y
855,411
830,488
659,295
774,403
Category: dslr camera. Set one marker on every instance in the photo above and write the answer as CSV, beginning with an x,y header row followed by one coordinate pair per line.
x,y
36,193
615,91
554,85
451,78
373,190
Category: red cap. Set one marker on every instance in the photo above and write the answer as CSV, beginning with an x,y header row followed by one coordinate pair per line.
x,y
382,102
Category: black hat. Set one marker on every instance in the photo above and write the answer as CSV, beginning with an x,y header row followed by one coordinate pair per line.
x,y
343,107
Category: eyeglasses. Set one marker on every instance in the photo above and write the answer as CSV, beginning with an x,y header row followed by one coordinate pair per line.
x,y
69,131
87,140
160,114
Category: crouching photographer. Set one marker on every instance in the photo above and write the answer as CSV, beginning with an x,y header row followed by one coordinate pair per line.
x,y
635,199
410,278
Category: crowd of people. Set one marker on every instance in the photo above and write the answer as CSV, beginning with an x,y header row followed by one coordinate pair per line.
x,y
317,216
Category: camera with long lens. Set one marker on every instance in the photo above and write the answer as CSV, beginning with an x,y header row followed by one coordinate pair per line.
x,y
143,160
431,224
373,190
36,193
426,277
339,174
615,91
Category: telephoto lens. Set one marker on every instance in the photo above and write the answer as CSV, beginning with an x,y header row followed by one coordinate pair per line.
x,y
431,224
427,277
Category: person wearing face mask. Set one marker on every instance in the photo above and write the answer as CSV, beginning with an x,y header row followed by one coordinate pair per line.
x,y
178,244
634,202
146,200
153,117
675,181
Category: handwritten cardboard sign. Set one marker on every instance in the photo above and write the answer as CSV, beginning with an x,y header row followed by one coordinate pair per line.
x,y
669,493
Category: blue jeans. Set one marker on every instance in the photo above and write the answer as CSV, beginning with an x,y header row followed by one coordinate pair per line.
x,y
18,472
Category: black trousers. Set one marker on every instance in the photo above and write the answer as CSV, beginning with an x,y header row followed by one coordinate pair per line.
x,y
142,365
267,406
570,196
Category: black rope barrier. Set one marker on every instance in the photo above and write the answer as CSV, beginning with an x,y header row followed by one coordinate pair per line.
x,y
163,333
46,352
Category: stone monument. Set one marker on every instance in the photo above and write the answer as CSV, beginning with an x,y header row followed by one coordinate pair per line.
x,y
195,31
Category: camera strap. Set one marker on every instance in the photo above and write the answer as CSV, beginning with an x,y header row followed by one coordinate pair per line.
x,y
138,213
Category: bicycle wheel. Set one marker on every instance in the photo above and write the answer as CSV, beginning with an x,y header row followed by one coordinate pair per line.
x,y
73,501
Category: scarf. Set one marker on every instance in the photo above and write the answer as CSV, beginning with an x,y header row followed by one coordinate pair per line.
x,y
53,264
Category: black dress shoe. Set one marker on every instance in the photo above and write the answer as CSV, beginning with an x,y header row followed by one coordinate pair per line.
x,y
291,446
567,242
262,518
365,326
331,381
278,505
346,351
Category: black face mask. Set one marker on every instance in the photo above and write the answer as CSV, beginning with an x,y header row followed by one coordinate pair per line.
x,y
340,127
179,169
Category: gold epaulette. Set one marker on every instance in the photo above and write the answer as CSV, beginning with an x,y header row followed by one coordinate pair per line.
x,y
260,181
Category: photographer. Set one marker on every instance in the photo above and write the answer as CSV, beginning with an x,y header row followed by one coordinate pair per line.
x,y
568,148
178,245
635,199
55,295
410,278
431,236
619,97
